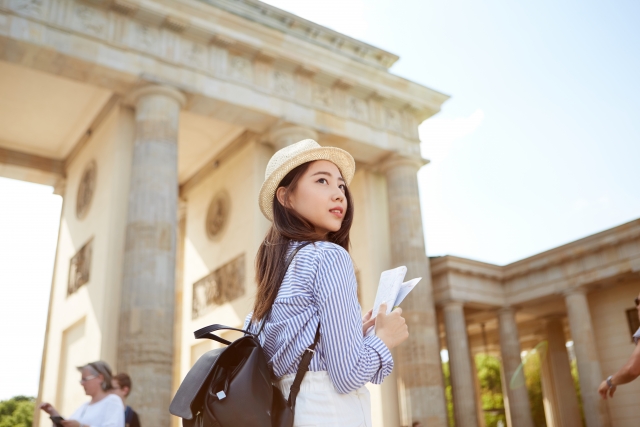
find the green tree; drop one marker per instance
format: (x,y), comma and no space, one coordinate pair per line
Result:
(17,412)
(447,392)
(489,377)
(576,384)
(533,379)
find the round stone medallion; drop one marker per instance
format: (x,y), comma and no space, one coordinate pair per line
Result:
(86,189)
(218,214)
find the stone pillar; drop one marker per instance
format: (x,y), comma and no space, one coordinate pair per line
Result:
(418,359)
(557,382)
(284,135)
(518,397)
(589,372)
(146,341)
(462,383)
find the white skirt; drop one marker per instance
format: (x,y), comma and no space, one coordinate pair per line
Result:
(320,405)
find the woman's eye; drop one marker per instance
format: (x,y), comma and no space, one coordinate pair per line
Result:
(343,187)
(322,181)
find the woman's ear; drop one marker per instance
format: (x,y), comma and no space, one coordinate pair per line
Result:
(281,194)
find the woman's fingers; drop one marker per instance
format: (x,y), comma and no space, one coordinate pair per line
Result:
(382,309)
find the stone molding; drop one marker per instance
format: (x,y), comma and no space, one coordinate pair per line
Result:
(574,250)
(579,290)
(163,90)
(284,135)
(451,304)
(195,44)
(401,159)
(309,31)
(581,265)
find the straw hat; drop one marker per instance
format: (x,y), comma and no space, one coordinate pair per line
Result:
(292,156)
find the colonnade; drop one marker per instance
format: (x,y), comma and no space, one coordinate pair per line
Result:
(561,403)
(145,342)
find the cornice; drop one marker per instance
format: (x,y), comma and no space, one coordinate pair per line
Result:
(465,266)
(194,35)
(311,32)
(574,250)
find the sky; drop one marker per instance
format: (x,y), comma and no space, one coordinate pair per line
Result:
(539,144)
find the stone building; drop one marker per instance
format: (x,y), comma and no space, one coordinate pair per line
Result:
(154,119)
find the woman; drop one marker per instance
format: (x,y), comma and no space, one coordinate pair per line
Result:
(104,410)
(306,195)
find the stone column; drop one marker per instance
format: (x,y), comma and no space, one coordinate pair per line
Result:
(589,372)
(518,397)
(145,342)
(462,383)
(557,382)
(284,135)
(418,359)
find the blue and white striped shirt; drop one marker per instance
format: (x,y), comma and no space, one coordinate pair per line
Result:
(320,286)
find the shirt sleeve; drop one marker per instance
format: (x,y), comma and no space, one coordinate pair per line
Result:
(352,360)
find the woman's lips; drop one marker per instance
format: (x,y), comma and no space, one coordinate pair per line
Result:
(337,212)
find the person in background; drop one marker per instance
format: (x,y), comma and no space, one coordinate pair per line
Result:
(103,410)
(122,387)
(629,371)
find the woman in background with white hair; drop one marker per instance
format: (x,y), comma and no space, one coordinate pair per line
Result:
(104,409)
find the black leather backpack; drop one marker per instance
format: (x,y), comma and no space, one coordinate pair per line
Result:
(233,386)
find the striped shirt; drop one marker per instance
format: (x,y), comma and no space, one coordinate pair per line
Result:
(320,286)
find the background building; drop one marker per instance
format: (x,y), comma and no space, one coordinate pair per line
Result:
(155,120)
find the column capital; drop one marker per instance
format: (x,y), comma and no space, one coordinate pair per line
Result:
(286,134)
(397,159)
(507,310)
(451,303)
(578,290)
(154,89)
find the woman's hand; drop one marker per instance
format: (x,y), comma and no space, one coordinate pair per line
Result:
(70,423)
(49,409)
(604,390)
(367,322)
(391,328)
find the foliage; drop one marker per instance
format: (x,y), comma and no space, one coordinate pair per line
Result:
(576,383)
(17,412)
(447,392)
(490,382)
(533,378)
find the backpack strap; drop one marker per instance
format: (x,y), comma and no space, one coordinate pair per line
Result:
(207,332)
(290,258)
(303,367)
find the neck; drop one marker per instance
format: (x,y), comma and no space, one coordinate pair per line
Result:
(101,394)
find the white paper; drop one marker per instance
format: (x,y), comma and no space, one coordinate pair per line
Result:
(392,291)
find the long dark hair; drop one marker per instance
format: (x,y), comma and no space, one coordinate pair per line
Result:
(289,226)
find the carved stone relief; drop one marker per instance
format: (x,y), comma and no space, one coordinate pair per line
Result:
(80,268)
(222,285)
(86,189)
(90,20)
(322,96)
(240,68)
(393,120)
(218,214)
(28,7)
(143,37)
(283,83)
(358,108)
(194,54)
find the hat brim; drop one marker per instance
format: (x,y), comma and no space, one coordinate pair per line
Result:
(343,160)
